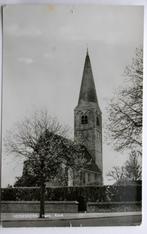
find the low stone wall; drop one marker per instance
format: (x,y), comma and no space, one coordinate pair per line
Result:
(34,206)
(113,206)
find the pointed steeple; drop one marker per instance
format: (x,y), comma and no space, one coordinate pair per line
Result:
(88,117)
(87,91)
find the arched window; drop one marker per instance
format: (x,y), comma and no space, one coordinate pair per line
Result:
(84,119)
(97,121)
(88,177)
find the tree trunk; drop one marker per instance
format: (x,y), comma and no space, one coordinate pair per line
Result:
(42,199)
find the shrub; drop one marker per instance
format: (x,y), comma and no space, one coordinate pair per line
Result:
(87,193)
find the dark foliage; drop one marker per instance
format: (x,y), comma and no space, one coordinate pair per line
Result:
(88,193)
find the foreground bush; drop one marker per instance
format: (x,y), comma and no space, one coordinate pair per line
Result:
(86,193)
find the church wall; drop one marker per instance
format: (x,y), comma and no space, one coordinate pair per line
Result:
(89,134)
(98,148)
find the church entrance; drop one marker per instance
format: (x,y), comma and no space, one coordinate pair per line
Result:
(82,204)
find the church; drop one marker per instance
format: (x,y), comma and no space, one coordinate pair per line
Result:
(88,126)
(87,138)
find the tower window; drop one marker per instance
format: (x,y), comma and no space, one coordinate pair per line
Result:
(88,177)
(84,119)
(97,121)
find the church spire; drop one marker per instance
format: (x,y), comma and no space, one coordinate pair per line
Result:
(88,117)
(87,91)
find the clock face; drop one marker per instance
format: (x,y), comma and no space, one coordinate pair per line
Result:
(83,137)
(86,137)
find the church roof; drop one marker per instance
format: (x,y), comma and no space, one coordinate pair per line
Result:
(87,90)
(91,165)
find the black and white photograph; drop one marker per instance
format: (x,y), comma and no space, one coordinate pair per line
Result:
(72,110)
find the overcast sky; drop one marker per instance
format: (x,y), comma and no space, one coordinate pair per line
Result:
(44,53)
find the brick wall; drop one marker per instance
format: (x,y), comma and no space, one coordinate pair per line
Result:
(34,206)
(113,206)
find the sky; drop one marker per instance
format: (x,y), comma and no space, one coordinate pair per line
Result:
(44,52)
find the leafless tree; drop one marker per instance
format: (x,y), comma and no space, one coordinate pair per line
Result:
(124,127)
(133,168)
(40,139)
(117,173)
(130,172)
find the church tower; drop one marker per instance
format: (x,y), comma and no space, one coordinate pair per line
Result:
(88,116)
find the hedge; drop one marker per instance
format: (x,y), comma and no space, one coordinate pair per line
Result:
(87,193)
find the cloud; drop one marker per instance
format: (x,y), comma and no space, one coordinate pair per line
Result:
(16,30)
(25,60)
(47,55)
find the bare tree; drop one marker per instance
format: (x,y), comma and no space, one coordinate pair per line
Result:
(130,172)
(40,139)
(116,174)
(133,170)
(124,127)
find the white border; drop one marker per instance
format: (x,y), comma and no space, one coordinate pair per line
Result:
(102,230)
